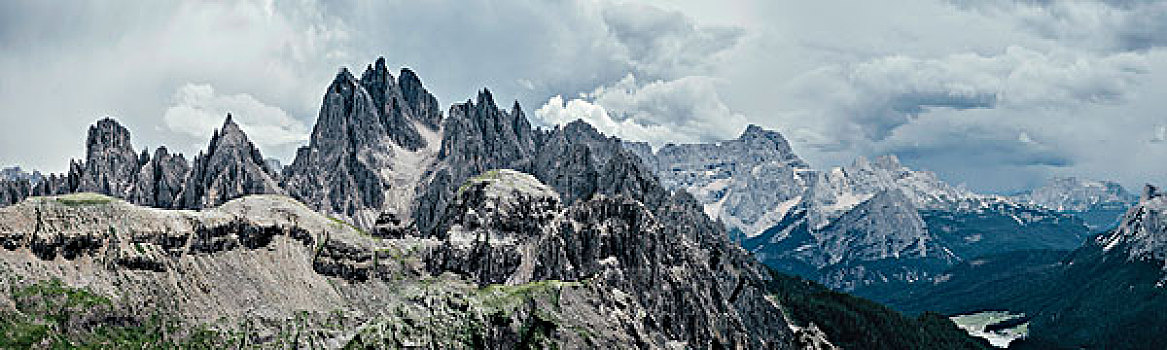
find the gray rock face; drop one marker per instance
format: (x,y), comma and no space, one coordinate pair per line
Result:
(230,168)
(601,229)
(476,136)
(881,222)
(274,166)
(1142,233)
(15,173)
(372,142)
(111,165)
(392,110)
(505,227)
(14,191)
(424,105)
(575,159)
(516,270)
(161,180)
(749,182)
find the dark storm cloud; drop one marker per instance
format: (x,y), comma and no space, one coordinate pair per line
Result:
(1109,25)
(666,45)
(1076,78)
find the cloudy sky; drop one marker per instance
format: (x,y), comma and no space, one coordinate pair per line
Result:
(997,95)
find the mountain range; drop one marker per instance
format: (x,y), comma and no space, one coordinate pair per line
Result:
(1090,297)
(1100,203)
(866,227)
(1063,256)
(401,226)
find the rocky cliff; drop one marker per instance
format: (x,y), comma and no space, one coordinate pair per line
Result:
(372,142)
(111,167)
(111,164)
(1142,235)
(15,173)
(750,183)
(230,168)
(160,180)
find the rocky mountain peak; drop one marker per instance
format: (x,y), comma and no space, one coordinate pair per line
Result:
(423,104)
(1078,194)
(497,187)
(230,133)
(756,135)
(160,180)
(372,137)
(106,134)
(15,173)
(889,162)
(343,76)
(1149,192)
(485,98)
(749,183)
(1142,233)
(231,167)
(579,127)
(110,160)
(379,83)
(753,130)
(516,109)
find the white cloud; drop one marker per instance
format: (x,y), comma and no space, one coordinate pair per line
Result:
(558,111)
(688,109)
(198,111)
(853,104)
(67,66)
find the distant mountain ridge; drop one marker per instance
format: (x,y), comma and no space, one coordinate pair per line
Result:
(865,226)
(1076,194)
(1100,203)
(15,173)
(749,183)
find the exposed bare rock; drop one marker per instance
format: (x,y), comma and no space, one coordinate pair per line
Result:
(505,227)
(476,136)
(160,180)
(111,164)
(372,142)
(749,183)
(14,173)
(413,237)
(603,271)
(1075,194)
(230,168)
(1142,235)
